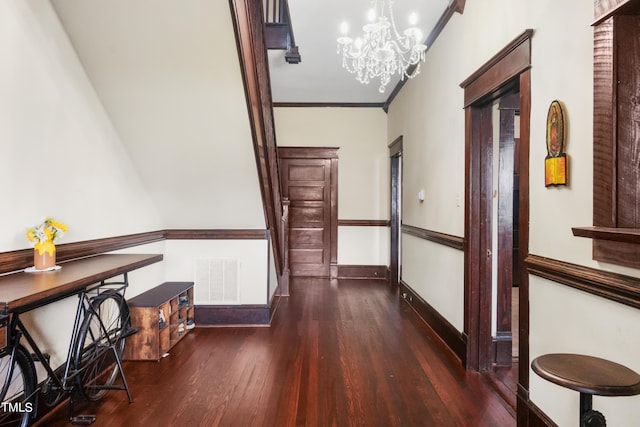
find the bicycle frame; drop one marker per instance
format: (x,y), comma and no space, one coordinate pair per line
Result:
(63,382)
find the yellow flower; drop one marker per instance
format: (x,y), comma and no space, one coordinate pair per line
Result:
(44,235)
(60,225)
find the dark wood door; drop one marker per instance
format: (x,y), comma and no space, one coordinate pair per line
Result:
(308,183)
(395,151)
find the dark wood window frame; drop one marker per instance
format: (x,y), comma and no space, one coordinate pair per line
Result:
(616,195)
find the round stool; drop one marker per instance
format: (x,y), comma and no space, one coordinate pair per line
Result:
(589,375)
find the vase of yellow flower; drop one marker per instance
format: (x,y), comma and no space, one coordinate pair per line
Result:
(43,238)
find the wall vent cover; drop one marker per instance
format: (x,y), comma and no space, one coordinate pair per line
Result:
(216,281)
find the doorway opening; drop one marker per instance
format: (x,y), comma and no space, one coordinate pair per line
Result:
(502,249)
(497,219)
(395,260)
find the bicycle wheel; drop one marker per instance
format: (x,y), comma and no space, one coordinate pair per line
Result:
(100,334)
(18,393)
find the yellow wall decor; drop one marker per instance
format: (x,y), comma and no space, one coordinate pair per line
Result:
(556,162)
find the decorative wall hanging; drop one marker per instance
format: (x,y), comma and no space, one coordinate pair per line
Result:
(556,162)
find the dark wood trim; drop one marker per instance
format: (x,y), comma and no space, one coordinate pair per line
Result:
(363,223)
(529,415)
(188,234)
(613,286)
(395,209)
(506,71)
(452,338)
(328,105)
(454,242)
(523,228)
(232,315)
(454,6)
(334,218)
(627,235)
(502,67)
(248,24)
(308,152)
(472,240)
(604,161)
(23,258)
(615,187)
(395,147)
(503,348)
(483,147)
(604,9)
(370,272)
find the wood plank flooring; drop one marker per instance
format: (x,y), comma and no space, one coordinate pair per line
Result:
(339,353)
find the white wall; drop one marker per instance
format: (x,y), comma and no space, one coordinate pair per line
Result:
(428,112)
(363,170)
(63,155)
(181,256)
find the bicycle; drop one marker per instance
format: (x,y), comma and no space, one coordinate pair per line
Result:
(94,359)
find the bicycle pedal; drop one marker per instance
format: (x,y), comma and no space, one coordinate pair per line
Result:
(83,419)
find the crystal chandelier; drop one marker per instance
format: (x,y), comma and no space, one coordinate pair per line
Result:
(382,51)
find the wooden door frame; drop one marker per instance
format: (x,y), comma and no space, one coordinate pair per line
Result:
(510,67)
(503,349)
(395,154)
(327,153)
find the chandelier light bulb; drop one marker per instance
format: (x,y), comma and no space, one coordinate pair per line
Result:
(382,50)
(371,15)
(413,19)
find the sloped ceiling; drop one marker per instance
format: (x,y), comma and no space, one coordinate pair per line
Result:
(167,73)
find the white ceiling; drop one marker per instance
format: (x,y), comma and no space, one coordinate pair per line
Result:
(168,75)
(320,76)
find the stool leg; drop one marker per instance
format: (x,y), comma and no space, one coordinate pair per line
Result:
(589,417)
(586,403)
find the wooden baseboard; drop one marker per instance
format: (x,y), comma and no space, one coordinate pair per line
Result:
(233,315)
(529,415)
(454,339)
(375,272)
(503,349)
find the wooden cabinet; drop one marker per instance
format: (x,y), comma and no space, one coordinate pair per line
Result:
(162,315)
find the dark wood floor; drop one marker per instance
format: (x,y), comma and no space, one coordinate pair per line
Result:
(341,353)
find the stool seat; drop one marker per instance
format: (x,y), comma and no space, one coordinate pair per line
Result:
(587,374)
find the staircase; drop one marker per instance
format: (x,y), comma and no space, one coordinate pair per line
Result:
(279,31)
